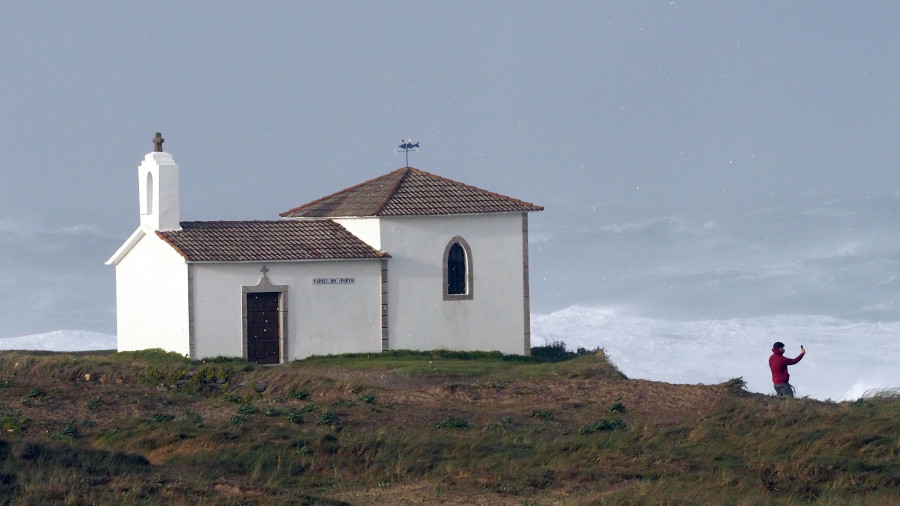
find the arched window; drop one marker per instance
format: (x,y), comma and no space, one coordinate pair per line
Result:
(148,208)
(457,270)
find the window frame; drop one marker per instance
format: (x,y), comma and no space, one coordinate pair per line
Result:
(468,294)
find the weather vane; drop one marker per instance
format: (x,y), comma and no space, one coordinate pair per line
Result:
(406,145)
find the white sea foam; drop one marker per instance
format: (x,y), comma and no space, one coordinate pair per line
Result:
(60,340)
(844,358)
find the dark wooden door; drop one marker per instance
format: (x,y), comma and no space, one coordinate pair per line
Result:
(263,328)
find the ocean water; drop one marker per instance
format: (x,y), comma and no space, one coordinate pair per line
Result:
(809,255)
(698,294)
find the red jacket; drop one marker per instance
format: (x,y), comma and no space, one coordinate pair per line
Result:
(778,363)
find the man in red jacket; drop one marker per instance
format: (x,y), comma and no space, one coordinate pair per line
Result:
(779,364)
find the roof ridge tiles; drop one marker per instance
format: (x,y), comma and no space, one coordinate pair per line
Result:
(409,191)
(471,187)
(349,188)
(390,194)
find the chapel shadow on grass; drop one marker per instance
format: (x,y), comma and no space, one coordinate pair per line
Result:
(38,469)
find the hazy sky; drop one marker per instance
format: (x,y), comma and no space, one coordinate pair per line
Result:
(639,109)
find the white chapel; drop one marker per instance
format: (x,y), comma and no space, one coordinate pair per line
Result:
(407,260)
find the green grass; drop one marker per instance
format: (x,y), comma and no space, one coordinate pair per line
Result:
(544,361)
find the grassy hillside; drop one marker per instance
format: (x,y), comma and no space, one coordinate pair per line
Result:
(413,428)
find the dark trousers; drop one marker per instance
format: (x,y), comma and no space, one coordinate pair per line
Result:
(784,390)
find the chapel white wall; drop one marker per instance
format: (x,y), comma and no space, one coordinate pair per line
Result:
(367,229)
(152,298)
(420,318)
(322,319)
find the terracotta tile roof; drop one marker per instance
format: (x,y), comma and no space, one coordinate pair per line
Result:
(241,241)
(409,192)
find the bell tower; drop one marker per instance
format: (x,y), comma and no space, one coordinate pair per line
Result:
(158,189)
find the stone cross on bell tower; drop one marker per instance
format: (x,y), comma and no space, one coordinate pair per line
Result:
(158,142)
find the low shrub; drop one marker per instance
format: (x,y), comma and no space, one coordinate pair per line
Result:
(191,417)
(11,421)
(736,386)
(299,394)
(70,429)
(152,376)
(230,397)
(608,424)
(155,355)
(161,418)
(248,409)
(452,423)
(556,352)
(292,415)
(538,413)
(553,352)
(504,425)
(36,393)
